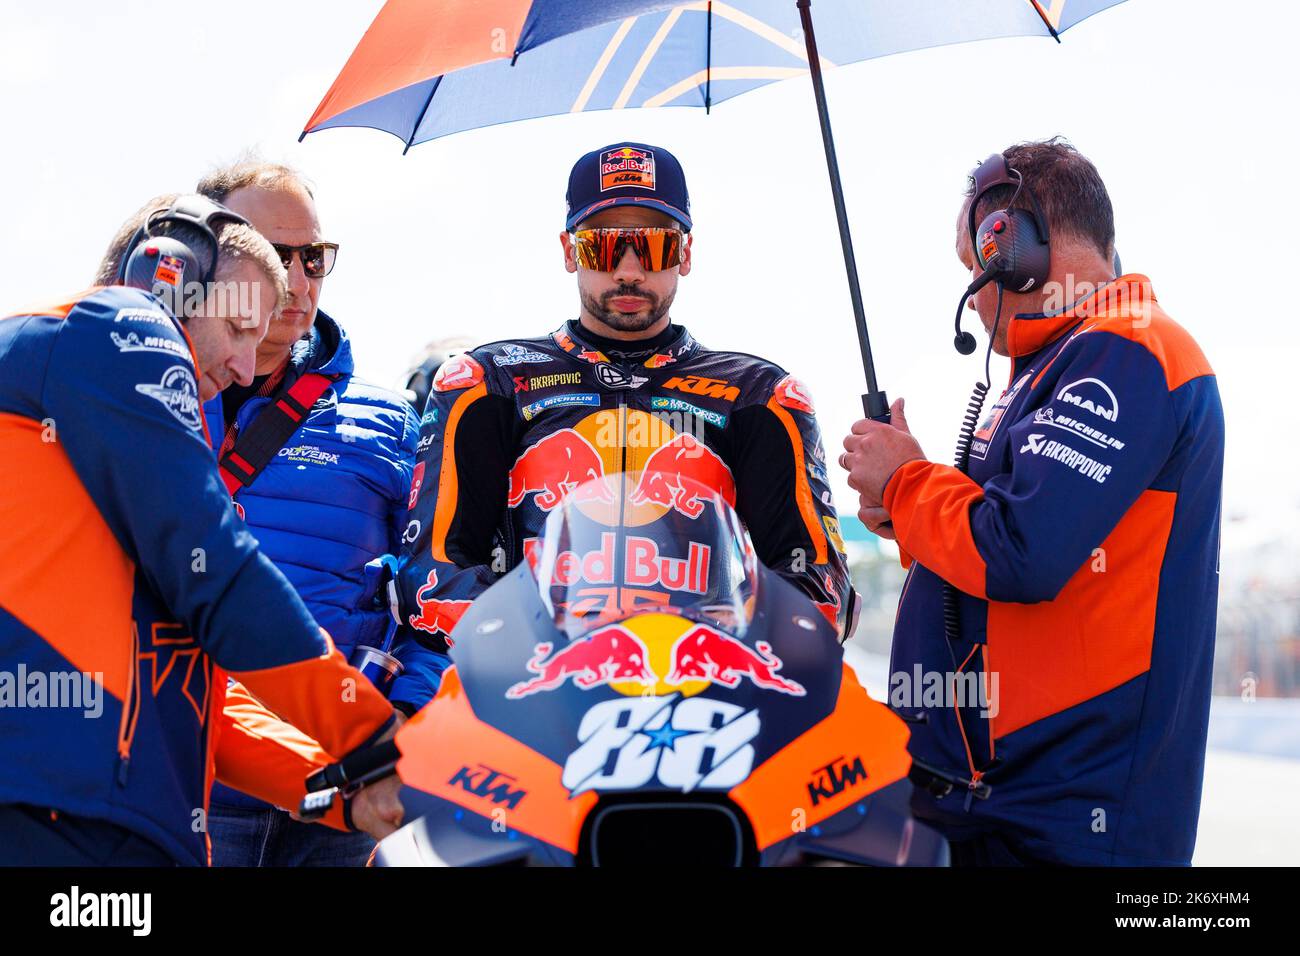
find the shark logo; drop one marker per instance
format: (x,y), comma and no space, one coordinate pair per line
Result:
(179,394)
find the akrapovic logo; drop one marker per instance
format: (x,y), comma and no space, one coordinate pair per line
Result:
(1088,467)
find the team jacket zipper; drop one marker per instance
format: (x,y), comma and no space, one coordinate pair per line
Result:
(130,711)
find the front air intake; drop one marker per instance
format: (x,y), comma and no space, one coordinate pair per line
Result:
(667,829)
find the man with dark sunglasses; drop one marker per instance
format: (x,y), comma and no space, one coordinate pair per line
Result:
(511,427)
(328,495)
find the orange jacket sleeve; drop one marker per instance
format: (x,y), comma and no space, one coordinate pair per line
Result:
(260,754)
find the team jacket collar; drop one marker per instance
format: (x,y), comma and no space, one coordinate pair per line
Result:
(1130,294)
(570,337)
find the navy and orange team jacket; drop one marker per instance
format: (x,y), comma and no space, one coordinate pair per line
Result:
(121,557)
(512,427)
(1084,547)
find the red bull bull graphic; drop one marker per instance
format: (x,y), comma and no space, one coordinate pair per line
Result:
(610,654)
(708,654)
(553,467)
(657,654)
(436,617)
(659,360)
(680,473)
(669,469)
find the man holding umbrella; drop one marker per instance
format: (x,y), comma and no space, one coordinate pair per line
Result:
(513,426)
(1071,563)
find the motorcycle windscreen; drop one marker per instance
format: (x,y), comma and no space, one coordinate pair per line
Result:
(629,543)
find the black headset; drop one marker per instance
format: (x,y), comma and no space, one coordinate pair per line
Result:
(1011,245)
(174,243)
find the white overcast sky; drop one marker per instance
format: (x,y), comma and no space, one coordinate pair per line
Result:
(1186,106)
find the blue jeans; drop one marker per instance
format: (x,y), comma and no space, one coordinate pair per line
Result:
(246,836)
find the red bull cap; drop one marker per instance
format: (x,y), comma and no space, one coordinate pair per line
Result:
(628,174)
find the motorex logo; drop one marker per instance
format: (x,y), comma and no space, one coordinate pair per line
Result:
(1092,395)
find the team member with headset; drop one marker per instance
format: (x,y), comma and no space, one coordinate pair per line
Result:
(122,656)
(1066,567)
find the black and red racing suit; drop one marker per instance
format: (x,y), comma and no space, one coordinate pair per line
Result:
(512,426)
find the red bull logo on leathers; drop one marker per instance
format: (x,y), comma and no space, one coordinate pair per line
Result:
(434,616)
(554,467)
(669,469)
(680,474)
(656,654)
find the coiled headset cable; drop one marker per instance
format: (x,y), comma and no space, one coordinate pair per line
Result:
(961,458)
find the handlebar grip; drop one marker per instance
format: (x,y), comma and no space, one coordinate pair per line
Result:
(354,766)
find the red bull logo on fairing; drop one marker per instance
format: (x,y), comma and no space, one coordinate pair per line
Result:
(605,656)
(708,654)
(656,654)
(643,565)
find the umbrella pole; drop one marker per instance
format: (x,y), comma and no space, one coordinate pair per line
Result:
(874,403)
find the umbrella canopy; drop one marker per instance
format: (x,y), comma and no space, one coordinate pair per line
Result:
(427,68)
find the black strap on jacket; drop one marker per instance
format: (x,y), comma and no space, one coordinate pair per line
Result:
(274,425)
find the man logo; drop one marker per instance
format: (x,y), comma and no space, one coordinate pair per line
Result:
(1091,395)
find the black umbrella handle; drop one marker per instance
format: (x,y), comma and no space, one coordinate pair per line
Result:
(876,406)
(874,402)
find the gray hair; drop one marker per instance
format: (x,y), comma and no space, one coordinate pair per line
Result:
(250,170)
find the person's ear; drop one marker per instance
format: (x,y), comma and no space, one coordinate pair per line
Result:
(570,260)
(684,267)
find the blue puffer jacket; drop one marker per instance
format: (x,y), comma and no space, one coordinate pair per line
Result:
(334,498)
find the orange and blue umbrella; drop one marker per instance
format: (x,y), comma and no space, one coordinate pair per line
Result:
(428,68)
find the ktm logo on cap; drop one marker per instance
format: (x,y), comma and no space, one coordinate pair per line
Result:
(626,166)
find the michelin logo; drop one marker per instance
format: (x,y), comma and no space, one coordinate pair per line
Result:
(132,342)
(179,394)
(1088,467)
(556,401)
(1046,416)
